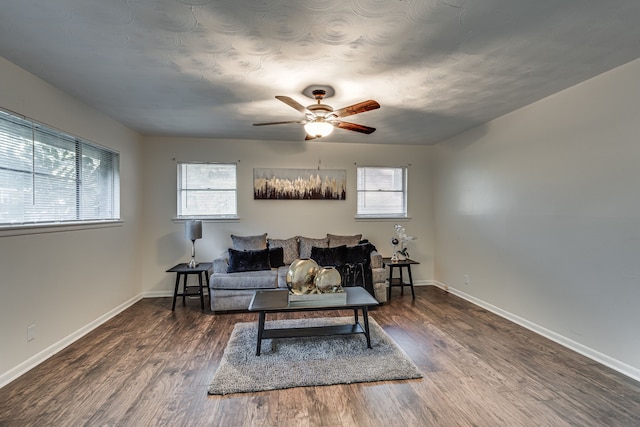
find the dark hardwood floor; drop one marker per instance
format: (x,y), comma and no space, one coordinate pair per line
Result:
(149,366)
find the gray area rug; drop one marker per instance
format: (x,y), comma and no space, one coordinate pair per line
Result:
(313,361)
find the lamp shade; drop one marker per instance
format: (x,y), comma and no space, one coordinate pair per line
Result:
(318,128)
(193,230)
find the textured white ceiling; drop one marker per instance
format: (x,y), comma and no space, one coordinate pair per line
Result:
(211,68)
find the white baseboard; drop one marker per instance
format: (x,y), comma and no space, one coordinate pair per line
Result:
(157,294)
(164,294)
(592,354)
(40,357)
(415,282)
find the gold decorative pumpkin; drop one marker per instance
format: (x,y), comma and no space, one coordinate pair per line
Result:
(328,280)
(300,276)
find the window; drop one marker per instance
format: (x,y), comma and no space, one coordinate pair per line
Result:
(382,192)
(47,176)
(207,190)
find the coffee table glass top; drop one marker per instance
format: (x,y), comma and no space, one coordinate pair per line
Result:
(278,299)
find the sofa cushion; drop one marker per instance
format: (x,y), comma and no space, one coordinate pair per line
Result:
(249,243)
(276,257)
(282,276)
(289,246)
(240,261)
(306,243)
(247,280)
(329,256)
(336,240)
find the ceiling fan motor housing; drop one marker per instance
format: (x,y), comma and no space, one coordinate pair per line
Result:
(319,94)
(320,110)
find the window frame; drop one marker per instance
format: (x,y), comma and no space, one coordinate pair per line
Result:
(405,194)
(52,138)
(209,216)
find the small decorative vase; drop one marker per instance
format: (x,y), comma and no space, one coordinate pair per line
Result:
(300,276)
(400,256)
(328,280)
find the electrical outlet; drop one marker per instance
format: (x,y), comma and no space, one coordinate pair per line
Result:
(466,279)
(31,333)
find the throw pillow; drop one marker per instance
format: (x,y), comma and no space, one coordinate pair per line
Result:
(249,243)
(335,240)
(335,257)
(240,261)
(307,243)
(289,246)
(276,257)
(359,253)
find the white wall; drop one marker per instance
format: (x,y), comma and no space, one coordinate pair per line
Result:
(165,245)
(62,281)
(541,208)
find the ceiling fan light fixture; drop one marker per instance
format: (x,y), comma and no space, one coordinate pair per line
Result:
(320,119)
(318,128)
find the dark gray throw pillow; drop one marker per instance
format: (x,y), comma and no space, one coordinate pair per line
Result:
(249,243)
(240,261)
(329,256)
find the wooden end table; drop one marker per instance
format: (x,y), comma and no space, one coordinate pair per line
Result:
(184,270)
(398,281)
(277,301)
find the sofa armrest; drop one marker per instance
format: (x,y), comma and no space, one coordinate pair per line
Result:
(376,260)
(220,265)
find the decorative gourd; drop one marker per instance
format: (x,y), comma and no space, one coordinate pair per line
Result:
(328,280)
(300,277)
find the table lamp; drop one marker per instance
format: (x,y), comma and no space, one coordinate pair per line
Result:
(193,232)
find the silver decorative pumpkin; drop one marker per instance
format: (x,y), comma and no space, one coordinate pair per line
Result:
(328,280)
(300,276)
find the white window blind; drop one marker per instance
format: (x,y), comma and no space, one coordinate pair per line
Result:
(382,191)
(207,190)
(47,176)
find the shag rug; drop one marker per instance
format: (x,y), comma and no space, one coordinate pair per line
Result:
(312,361)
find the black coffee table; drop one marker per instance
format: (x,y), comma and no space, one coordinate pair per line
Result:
(277,301)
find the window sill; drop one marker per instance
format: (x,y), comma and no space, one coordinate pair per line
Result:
(56,227)
(383,218)
(208,219)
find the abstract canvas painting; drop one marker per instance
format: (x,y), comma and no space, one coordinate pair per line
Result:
(299,184)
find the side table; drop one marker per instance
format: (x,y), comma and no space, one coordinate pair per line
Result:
(184,270)
(399,281)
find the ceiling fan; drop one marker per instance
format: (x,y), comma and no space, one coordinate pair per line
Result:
(320,119)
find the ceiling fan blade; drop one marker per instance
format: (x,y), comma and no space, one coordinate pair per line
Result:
(294,104)
(279,123)
(360,107)
(354,127)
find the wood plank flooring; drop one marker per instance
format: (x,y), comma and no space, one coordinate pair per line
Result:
(150,366)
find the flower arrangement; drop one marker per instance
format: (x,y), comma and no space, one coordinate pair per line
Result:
(399,243)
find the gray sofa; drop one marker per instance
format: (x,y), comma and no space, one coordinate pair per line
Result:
(230,291)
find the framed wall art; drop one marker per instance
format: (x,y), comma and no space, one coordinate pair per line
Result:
(299,184)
